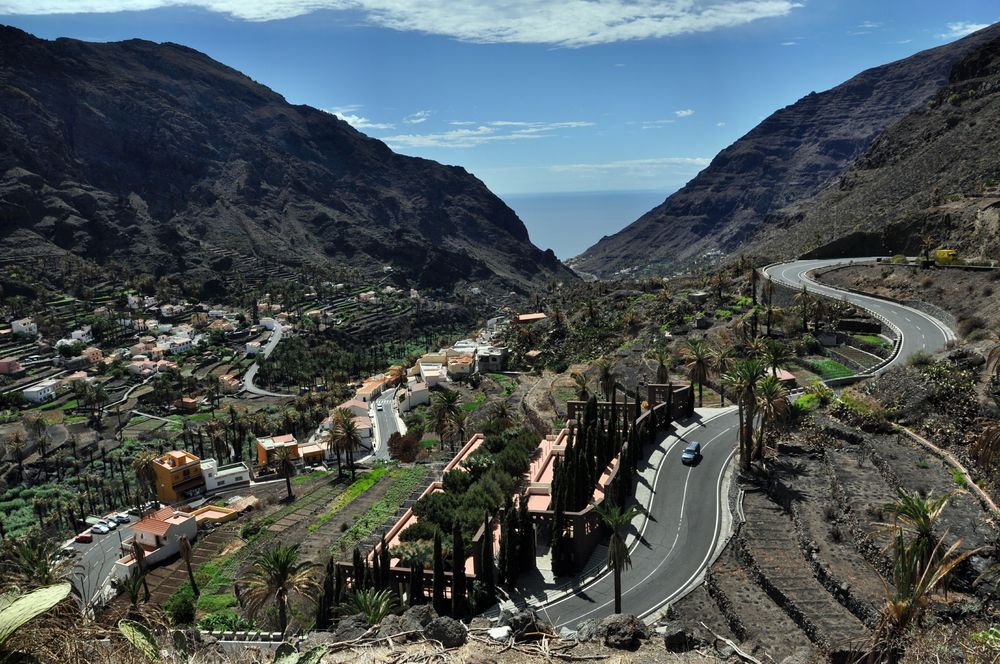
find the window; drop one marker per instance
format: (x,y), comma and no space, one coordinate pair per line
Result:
(187,474)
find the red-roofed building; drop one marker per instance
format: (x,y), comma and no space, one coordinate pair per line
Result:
(522,319)
(158,535)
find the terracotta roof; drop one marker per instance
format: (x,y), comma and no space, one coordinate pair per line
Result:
(152,525)
(283,440)
(161,513)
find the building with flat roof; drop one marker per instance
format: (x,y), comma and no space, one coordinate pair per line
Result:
(158,534)
(222,478)
(268,445)
(178,476)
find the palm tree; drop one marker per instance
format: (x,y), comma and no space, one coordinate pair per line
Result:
(616,519)
(345,436)
(805,301)
(917,516)
(184,545)
(605,378)
(742,381)
(580,384)
(663,362)
(777,356)
(503,414)
(139,556)
(286,467)
(773,408)
(986,448)
(457,422)
(373,604)
(30,561)
(993,363)
(144,466)
(445,404)
(275,575)
(15,448)
(722,355)
(696,355)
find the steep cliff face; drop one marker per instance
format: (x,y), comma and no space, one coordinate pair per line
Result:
(156,156)
(787,159)
(932,179)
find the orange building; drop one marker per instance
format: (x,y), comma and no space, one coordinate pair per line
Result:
(267,446)
(178,475)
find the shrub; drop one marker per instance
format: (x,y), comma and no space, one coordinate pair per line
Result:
(179,607)
(959,478)
(898,259)
(920,359)
(405,448)
(224,621)
(967,325)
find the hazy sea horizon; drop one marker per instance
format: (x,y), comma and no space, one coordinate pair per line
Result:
(571,222)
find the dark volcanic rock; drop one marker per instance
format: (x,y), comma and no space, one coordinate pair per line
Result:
(791,156)
(524,623)
(350,627)
(450,632)
(158,157)
(623,631)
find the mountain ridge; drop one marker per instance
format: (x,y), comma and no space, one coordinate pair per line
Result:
(791,156)
(152,155)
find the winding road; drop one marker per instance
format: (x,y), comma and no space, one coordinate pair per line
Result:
(251,372)
(688,519)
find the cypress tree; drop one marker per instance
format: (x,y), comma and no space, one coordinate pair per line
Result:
(511,545)
(560,545)
(458,581)
(358,570)
(416,594)
(527,534)
(324,607)
(384,563)
(338,587)
(440,603)
(376,568)
(486,555)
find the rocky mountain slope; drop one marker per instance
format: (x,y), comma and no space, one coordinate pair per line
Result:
(787,159)
(158,158)
(932,179)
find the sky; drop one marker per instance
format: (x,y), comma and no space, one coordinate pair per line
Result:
(536,96)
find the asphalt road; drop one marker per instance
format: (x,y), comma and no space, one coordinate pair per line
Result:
(677,541)
(251,372)
(94,562)
(385,424)
(920,331)
(687,523)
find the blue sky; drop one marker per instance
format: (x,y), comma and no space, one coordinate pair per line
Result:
(536,95)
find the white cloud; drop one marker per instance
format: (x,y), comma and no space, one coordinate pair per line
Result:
(685,113)
(655,124)
(489,132)
(417,118)
(660,168)
(789,43)
(962,28)
(869,25)
(348,114)
(720,124)
(461,123)
(569,23)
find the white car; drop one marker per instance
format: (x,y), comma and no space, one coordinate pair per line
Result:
(109,523)
(99,529)
(121,518)
(378,407)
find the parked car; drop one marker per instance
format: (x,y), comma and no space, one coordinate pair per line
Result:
(67,552)
(122,518)
(84,538)
(691,454)
(110,524)
(378,406)
(99,529)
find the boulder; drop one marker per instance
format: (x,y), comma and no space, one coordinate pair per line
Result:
(589,630)
(623,631)
(678,637)
(524,623)
(351,627)
(500,633)
(450,632)
(394,625)
(422,614)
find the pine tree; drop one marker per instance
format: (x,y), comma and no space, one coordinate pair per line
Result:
(459,602)
(440,603)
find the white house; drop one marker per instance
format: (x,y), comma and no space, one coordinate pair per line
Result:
(216,313)
(158,534)
(415,395)
(490,358)
(268,323)
(41,392)
(224,477)
(82,335)
(253,347)
(24,326)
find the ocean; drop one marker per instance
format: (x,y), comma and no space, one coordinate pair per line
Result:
(570,223)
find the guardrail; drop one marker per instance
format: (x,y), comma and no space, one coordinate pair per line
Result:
(871,371)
